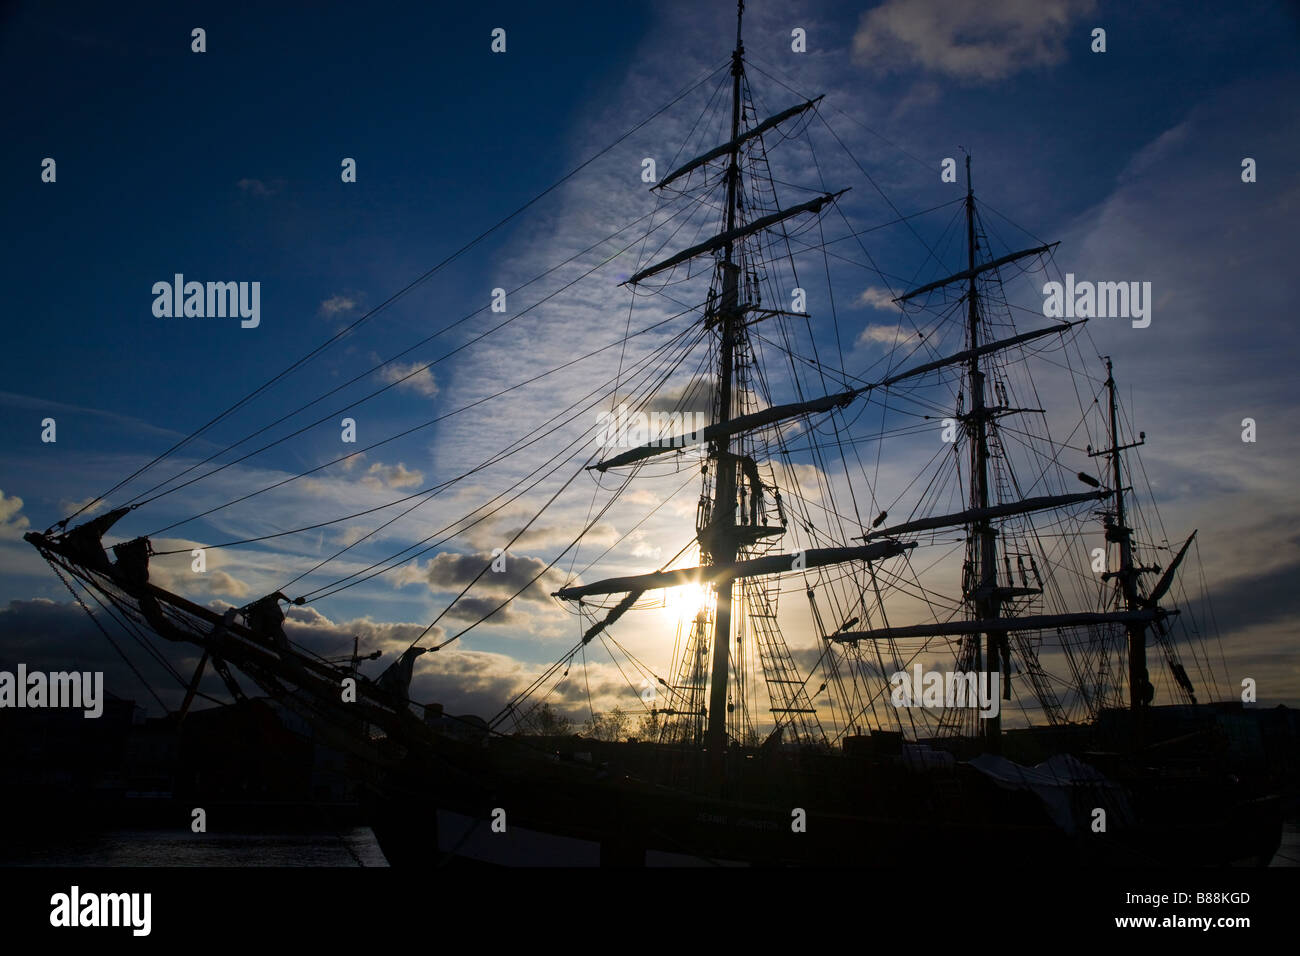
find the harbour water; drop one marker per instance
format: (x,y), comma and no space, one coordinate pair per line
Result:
(353,847)
(1288,854)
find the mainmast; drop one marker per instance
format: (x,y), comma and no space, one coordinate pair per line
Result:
(721,536)
(732,517)
(983,552)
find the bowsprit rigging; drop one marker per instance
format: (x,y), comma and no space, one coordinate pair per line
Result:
(900,484)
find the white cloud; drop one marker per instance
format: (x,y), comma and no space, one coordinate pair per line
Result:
(976,41)
(12,524)
(337,305)
(190,582)
(351,534)
(92,506)
(380,475)
(882,335)
(643,550)
(877,298)
(414,376)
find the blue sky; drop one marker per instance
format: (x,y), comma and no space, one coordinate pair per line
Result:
(224,166)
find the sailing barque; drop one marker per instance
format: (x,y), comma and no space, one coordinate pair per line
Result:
(834,771)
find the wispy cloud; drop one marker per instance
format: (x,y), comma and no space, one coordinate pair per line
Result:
(258,187)
(973,41)
(92,506)
(337,305)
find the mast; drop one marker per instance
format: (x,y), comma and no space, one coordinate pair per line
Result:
(984,550)
(1139,686)
(724,535)
(721,538)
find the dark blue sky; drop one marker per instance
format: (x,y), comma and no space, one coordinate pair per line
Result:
(151,141)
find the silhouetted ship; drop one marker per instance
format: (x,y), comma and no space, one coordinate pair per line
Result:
(744,755)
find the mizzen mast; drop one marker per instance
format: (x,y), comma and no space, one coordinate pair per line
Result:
(984,595)
(1140,690)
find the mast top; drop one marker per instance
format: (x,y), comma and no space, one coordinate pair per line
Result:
(739,52)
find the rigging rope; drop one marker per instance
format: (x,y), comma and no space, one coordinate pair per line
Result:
(450,258)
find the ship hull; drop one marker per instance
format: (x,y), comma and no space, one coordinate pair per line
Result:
(510,810)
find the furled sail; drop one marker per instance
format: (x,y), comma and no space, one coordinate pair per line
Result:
(972,515)
(710,433)
(731,235)
(1031,623)
(740,140)
(972,273)
(773,564)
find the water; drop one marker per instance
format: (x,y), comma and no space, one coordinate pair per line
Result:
(1288,854)
(355,847)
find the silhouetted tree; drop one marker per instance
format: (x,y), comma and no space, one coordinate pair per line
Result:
(546,722)
(650,726)
(611,725)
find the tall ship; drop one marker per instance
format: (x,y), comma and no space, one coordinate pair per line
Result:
(911,617)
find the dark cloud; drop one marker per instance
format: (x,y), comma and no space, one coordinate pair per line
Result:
(468,682)
(311,628)
(1257,598)
(695,396)
(471,609)
(49,636)
(451,572)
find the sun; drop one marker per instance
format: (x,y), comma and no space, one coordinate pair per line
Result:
(689,599)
